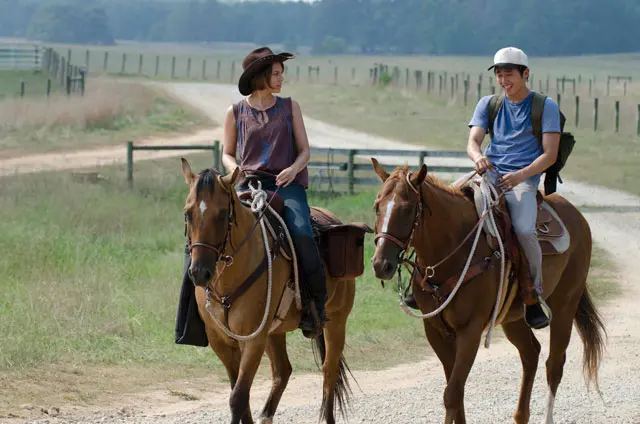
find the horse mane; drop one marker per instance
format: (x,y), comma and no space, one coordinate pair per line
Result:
(432,181)
(207,180)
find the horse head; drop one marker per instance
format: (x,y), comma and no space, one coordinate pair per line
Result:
(398,209)
(209,212)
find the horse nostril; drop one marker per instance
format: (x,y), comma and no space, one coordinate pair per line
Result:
(388,268)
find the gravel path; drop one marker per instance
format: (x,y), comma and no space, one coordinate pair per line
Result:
(412,393)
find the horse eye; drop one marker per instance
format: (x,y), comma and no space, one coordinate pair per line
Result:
(187,216)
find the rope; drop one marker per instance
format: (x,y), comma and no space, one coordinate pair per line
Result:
(253,335)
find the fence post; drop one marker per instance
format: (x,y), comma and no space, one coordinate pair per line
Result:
(189,68)
(335,75)
(21,88)
(617,115)
(421,157)
(124,63)
(130,163)
(140,63)
(466,90)
(87,59)
(105,63)
(638,125)
(559,99)
(577,110)
(218,71)
(48,87)
(157,65)
(82,82)
(479,90)
(350,170)
(216,155)
(595,114)
(173,67)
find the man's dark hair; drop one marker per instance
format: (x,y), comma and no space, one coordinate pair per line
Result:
(508,67)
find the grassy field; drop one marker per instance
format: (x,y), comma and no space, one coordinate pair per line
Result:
(35,84)
(111,112)
(602,157)
(90,288)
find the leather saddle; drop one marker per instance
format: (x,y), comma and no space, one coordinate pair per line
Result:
(553,235)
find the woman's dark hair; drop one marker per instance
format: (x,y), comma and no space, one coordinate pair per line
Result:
(261,80)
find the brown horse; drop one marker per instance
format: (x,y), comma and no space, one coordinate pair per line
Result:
(220,227)
(415,208)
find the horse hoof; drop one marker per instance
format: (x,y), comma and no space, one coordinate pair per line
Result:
(266,420)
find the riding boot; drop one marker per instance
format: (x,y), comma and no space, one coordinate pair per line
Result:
(315,284)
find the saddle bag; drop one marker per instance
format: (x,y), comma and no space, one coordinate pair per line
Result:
(342,248)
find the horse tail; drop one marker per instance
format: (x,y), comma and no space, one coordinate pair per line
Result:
(342,391)
(592,332)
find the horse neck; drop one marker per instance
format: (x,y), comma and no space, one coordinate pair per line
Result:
(447,219)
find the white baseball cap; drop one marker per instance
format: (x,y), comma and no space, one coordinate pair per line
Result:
(509,56)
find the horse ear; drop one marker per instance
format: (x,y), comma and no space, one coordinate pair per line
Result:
(186,171)
(379,170)
(417,179)
(230,179)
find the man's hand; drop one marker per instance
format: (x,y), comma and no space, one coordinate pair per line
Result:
(482,165)
(286,177)
(510,180)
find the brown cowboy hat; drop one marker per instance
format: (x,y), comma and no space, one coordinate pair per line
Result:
(255,62)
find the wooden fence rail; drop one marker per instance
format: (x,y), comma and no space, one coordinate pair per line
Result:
(349,166)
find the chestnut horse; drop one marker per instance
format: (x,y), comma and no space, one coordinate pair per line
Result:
(448,216)
(220,228)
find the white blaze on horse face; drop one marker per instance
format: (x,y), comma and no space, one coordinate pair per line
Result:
(387,215)
(203,207)
(548,413)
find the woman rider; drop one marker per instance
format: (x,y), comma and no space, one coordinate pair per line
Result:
(269,132)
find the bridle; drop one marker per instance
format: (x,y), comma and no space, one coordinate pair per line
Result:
(404,246)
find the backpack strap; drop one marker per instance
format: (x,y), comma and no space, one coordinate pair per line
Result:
(494,106)
(537,108)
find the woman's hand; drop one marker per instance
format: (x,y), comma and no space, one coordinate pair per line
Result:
(286,177)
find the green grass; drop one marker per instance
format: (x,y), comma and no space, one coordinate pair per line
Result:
(90,277)
(603,157)
(35,84)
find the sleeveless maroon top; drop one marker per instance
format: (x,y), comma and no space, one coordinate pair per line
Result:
(265,139)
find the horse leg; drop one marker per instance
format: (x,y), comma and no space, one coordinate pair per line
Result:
(561,325)
(521,336)
(467,343)
(445,349)
(334,369)
(249,362)
(280,373)
(230,356)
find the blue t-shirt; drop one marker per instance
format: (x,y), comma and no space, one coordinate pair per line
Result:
(513,145)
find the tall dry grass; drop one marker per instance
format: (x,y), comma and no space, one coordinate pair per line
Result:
(110,112)
(104,102)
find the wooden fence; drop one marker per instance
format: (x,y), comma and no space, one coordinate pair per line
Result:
(348,167)
(601,103)
(20,56)
(70,76)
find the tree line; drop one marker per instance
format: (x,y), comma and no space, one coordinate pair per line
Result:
(543,27)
